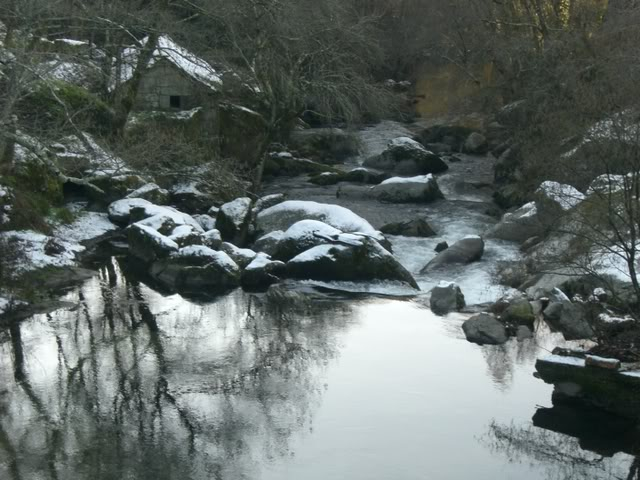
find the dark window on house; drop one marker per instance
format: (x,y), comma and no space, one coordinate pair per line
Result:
(175,101)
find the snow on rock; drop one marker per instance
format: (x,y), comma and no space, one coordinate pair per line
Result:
(219,258)
(232,219)
(608,184)
(242,256)
(33,246)
(168,50)
(88,155)
(74,73)
(419,189)
(285,214)
(405,142)
(212,239)
(206,222)
(302,236)
(86,226)
(566,196)
(151,192)
(8,303)
(6,204)
(120,212)
(571,361)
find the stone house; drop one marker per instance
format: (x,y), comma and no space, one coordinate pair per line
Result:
(176,79)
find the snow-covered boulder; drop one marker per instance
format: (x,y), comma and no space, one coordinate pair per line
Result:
(351,258)
(608,184)
(268,201)
(557,195)
(196,269)
(467,250)
(446,297)
(233,220)
(36,250)
(262,272)
(302,236)
(130,210)
(242,256)
(285,214)
(421,189)
(151,192)
(212,239)
(207,222)
(268,243)
(148,245)
(185,235)
(404,156)
(485,329)
(189,197)
(518,226)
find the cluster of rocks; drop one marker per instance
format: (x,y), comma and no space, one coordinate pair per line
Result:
(288,239)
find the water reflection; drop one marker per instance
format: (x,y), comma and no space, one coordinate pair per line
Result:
(133,384)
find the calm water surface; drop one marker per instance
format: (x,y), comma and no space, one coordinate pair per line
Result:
(128,383)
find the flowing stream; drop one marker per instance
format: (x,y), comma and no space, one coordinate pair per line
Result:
(126,382)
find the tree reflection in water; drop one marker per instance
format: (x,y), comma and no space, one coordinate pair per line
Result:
(134,384)
(567,458)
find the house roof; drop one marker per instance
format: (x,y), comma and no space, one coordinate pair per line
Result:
(190,64)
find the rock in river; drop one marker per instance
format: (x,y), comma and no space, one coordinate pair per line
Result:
(570,319)
(421,189)
(351,258)
(485,329)
(404,156)
(467,250)
(196,269)
(446,297)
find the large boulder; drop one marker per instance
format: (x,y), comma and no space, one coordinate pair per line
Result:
(285,214)
(151,192)
(558,198)
(446,297)
(233,220)
(518,226)
(467,250)
(196,269)
(302,236)
(409,228)
(570,319)
(269,242)
(476,143)
(130,210)
(404,156)
(351,258)
(148,245)
(421,189)
(485,329)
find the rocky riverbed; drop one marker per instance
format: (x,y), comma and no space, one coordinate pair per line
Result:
(208,369)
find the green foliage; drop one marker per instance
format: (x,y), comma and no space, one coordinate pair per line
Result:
(36,193)
(46,112)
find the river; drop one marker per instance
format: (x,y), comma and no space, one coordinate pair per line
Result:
(128,382)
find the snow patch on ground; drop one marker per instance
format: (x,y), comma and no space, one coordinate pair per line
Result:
(86,226)
(32,246)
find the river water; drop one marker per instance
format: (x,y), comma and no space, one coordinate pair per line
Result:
(128,382)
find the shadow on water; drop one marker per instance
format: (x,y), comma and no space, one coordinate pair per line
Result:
(135,384)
